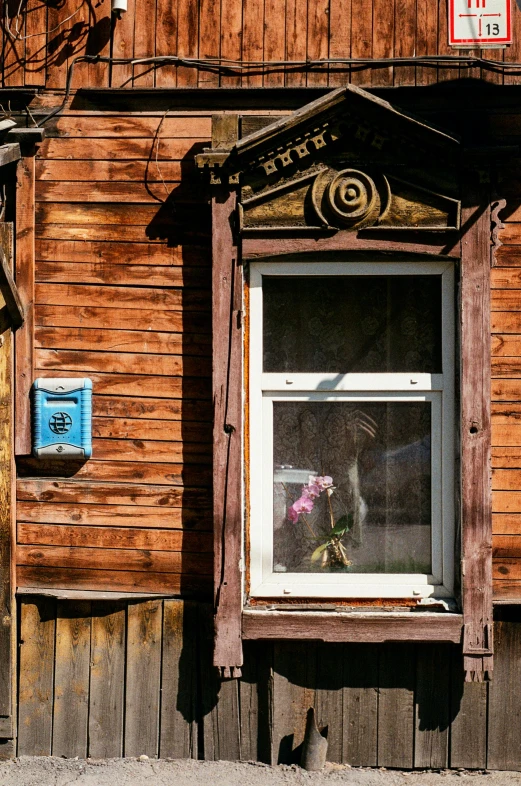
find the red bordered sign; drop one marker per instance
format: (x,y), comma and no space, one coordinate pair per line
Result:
(480,22)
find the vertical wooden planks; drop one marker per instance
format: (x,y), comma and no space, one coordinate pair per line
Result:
(426,38)
(329,696)
(361,38)
(219,727)
(24,268)
(98,43)
(468,732)
(443,74)
(142,687)
(144,42)
(318,39)
(405,40)
(339,39)
(512,54)
(180,691)
(71,680)
(168,20)
(360,705)
(383,40)
(255,698)
(274,40)
(187,40)
(504,723)
(13,45)
(252,40)
(231,38)
(123,46)
(396,706)
(209,39)
(432,706)
(35,690)
(36,43)
(107,680)
(296,43)
(294,684)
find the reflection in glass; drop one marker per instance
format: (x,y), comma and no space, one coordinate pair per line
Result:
(352,324)
(376,518)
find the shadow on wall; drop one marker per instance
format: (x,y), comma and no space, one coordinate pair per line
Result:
(87,31)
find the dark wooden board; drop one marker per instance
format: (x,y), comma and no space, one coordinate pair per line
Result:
(220,729)
(109,493)
(71,679)
(107,680)
(396,706)
(36,686)
(360,705)
(112,516)
(329,696)
(255,697)
(114,559)
(432,710)
(504,700)
(179,692)
(114,537)
(121,471)
(294,685)
(142,681)
(468,712)
(110,254)
(172,584)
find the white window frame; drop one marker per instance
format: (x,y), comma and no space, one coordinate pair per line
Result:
(266,388)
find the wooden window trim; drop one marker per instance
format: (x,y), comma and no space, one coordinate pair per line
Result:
(232,622)
(472,245)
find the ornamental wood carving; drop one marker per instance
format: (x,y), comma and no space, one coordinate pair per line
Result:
(348,161)
(350,173)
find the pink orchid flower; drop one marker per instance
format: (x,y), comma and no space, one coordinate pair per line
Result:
(309,493)
(323,482)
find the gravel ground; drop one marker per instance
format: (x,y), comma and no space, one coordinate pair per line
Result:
(47,771)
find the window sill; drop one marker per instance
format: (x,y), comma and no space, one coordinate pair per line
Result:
(359,627)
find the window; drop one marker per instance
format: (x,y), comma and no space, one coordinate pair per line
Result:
(351,429)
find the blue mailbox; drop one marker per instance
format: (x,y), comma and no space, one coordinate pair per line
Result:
(62,418)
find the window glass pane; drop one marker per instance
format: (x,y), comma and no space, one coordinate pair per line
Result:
(376,518)
(348,324)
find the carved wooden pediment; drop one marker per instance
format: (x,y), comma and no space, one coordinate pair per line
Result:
(346,161)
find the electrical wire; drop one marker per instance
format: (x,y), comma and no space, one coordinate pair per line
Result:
(231,67)
(18,37)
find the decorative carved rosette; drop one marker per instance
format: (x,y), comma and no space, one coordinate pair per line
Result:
(348,198)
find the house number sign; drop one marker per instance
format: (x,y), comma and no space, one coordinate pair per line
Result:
(480,23)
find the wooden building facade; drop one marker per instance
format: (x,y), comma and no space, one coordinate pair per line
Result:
(111,196)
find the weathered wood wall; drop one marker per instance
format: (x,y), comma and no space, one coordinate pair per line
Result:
(123,296)
(131,678)
(50,36)
(506,393)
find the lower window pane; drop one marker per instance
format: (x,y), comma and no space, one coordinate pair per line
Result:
(352,487)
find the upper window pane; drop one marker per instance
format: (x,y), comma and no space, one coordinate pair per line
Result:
(352,324)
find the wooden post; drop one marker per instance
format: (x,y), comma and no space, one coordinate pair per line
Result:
(476,506)
(7,520)
(227,443)
(227,318)
(25,253)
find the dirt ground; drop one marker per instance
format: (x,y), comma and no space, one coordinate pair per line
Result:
(45,771)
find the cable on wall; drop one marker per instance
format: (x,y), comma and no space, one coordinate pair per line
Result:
(234,67)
